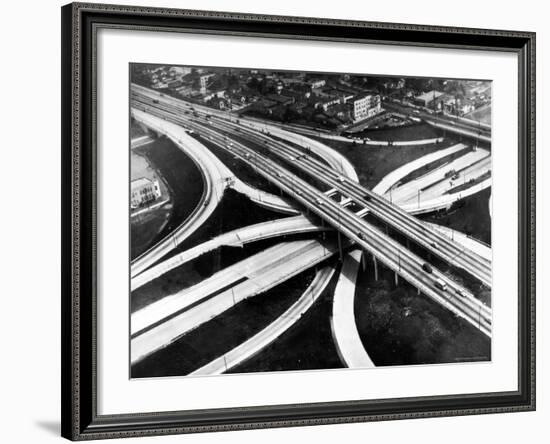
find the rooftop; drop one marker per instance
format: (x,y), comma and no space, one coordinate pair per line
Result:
(430,95)
(138,183)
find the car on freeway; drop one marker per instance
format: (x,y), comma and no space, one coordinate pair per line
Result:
(427,267)
(360,235)
(461,293)
(441,285)
(319,201)
(155,101)
(341,179)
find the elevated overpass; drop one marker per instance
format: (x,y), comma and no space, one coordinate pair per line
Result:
(389,213)
(159,324)
(384,248)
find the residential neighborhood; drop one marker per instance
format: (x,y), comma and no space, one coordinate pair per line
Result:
(336,102)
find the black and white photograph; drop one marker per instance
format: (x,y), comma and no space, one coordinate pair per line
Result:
(294,221)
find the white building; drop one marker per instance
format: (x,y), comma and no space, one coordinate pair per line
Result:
(316,84)
(180,70)
(143,192)
(204,82)
(366,106)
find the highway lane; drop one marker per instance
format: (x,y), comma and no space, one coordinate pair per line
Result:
(479,268)
(248,268)
(273,331)
(391,179)
(408,225)
(437,186)
(396,257)
(414,219)
(330,156)
(409,190)
(262,276)
(453,128)
(475,245)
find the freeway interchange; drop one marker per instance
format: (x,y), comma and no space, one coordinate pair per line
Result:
(326,191)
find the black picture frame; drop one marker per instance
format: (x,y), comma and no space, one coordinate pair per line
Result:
(79,386)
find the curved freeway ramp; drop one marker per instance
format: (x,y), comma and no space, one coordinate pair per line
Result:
(235,238)
(273,331)
(344,328)
(214,188)
(331,156)
(396,175)
(162,322)
(216,176)
(433,191)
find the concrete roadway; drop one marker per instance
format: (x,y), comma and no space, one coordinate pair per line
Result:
(235,238)
(358,140)
(332,157)
(433,203)
(247,268)
(434,184)
(472,244)
(462,127)
(215,175)
(214,186)
(441,186)
(343,322)
(445,201)
(161,323)
(391,214)
(394,255)
(273,331)
(140,141)
(396,175)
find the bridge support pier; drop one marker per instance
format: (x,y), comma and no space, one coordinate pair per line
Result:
(418,291)
(217,261)
(375,267)
(363,261)
(396,276)
(340,247)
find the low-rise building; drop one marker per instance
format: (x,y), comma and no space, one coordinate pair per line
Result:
(143,192)
(317,83)
(180,70)
(430,99)
(365,106)
(279,98)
